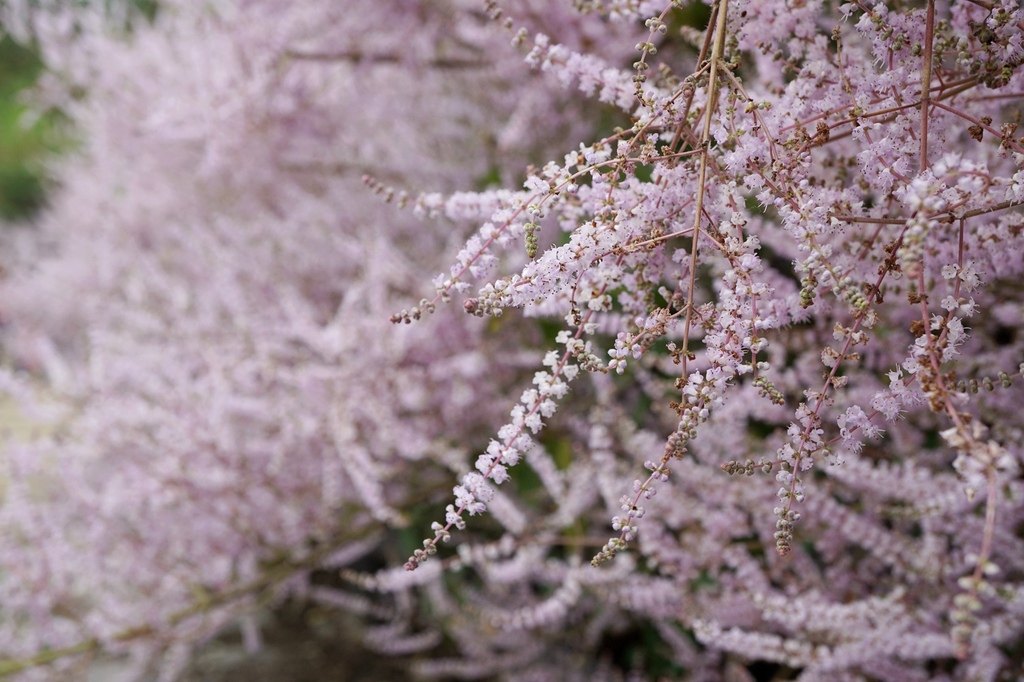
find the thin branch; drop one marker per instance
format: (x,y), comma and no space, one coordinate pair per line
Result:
(716,57)
(926,81)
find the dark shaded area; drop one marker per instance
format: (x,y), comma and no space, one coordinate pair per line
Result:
(302,643)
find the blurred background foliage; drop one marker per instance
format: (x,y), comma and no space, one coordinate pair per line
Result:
(29,138)
(25,139)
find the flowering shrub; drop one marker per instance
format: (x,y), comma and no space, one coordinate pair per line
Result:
(763,324)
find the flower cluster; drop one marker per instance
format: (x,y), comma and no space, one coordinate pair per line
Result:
(717,243)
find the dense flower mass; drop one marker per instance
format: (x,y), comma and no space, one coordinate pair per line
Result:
(720,377)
